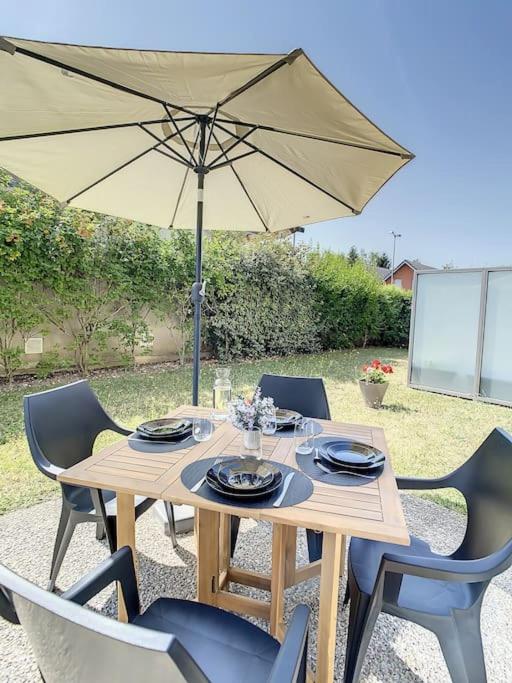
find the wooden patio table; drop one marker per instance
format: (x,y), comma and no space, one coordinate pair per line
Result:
(372,511)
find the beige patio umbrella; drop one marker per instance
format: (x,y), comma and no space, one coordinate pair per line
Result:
(252,142)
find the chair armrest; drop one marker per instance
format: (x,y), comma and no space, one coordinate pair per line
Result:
(290,663)
(121,430)
(448,569)
(416,484)
(118,567)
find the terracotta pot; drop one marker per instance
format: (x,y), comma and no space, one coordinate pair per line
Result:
(373,394)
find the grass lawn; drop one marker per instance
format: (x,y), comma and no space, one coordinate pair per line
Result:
(428,434)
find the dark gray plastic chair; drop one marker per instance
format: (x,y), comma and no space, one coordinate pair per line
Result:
(308,397)
(441,593)
(173,640)
(62,425)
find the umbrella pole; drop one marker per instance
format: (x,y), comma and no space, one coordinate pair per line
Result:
(197,287)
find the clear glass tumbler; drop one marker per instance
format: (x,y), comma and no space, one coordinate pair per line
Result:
(202,429)
(304,435)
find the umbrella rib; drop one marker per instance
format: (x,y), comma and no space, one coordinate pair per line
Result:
(320,138)
(124,165)
(288,59)
(224,152)
(94,77)
(180,193)
(169,114)
(169,156)
(88,129)
(171,149)
(232,160)
(293,171)
(246,191)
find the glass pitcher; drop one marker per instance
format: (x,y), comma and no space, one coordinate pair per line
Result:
(221,393)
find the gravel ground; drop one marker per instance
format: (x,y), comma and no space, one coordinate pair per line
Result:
(398,652)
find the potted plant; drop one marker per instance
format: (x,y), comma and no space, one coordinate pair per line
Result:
(250,416)
(374,382)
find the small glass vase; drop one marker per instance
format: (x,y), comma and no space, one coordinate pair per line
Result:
(252,443)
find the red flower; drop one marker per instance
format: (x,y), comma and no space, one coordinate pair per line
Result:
(387,369)
(375,363)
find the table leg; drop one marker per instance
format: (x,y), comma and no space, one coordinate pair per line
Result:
(224,546)
(333,549)
(291,555)
(207,556)
(125,536)
(277,582)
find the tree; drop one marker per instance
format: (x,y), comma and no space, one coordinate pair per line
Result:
(82,293)
(25,216)
(138,249)
(383,260)
(175,306)
(353,255)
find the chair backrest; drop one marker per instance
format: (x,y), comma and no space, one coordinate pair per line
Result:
(306,395)
(73,643)
(62,424)
(486,482)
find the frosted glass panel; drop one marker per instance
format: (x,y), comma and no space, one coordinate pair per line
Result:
(496,376)
(446,331)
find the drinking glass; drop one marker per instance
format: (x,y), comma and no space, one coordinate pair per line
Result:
(304,435)
(202,429)
(271,424)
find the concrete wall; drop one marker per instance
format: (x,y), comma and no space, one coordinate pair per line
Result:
(164,346)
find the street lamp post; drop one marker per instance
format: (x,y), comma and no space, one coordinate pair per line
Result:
(396,235)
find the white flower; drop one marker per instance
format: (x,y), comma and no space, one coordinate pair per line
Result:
(250,414)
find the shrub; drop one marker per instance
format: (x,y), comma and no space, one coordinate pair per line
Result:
(394,317)
(346,297)
(259,299)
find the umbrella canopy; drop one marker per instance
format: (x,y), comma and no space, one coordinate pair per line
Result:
(252,142)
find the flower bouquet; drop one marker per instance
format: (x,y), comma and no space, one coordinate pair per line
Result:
(250,415)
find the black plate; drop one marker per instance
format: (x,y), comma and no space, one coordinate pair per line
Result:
(286,418)
(214,484)
(337,466)
(352,453)
(246,474)
(165,428)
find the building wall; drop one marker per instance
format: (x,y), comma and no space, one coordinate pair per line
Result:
(405,275)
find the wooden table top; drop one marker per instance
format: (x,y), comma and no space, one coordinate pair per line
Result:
(372,510)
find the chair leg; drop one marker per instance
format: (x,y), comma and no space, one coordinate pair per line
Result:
(461,643)
(111,529)
(100,531)
(169,511)
(360,629)
(64,533)
(346,597)
(314,539)
(235,525)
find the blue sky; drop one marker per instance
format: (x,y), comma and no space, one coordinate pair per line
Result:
(434,75)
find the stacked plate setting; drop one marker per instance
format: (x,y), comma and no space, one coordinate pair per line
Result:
(286,419)
(350,456)
(166,429)
(244,478)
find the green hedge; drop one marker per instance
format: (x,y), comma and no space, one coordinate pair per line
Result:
(394,317)
(260,301)
(96,278)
